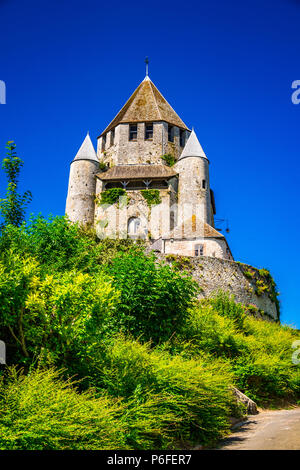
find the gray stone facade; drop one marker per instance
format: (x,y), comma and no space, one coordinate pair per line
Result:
(214,274)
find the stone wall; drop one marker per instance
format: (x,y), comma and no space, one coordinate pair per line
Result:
(249,285)
(213,247)
(112,221)
(123,151)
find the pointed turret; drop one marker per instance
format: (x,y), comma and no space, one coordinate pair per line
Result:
(192,148)
(194,190)
(80,206)
(86,151)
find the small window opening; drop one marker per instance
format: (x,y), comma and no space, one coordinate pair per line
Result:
(203,184)
(133,132)
(199,250)
(133,226)
(182,138)
(170,133)
(149,131)
(104,142)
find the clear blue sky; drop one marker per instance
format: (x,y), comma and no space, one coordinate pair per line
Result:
(226,68)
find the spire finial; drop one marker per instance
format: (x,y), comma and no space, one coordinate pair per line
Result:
(147,66)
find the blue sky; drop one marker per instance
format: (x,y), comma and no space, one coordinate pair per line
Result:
(226,68)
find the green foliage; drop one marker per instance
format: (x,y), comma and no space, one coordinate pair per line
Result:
(180,262)
(13,206)
(263,283)
(60,245)
(40,411)
(169,159)
(152,196)
(55,317)
(70,300)
(102,166)
(193,398)
(154,297)
(259,351)
(111,196)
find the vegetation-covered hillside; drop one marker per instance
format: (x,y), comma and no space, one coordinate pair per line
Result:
(109,349)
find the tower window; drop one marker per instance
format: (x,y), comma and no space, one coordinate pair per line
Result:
(104,142)
(148,131)
(170,133)
(112,137)
(133,132)
(182,138)
(203,184)
(199,250)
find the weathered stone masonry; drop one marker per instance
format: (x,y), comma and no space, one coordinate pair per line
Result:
(214,274)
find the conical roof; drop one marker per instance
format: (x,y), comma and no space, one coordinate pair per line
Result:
(192,147)
(146,104)
(86,151)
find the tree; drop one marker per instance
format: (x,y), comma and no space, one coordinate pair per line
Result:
(13,206)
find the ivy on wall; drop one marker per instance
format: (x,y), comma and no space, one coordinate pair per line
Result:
(111,196)
(152,196)
(169,159)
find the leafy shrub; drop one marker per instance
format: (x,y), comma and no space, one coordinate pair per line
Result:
(152,196)
(154,297)
(259,351)
(169,159)
(60,245)
(193,397)
(111,196)
(61,313)
(41,412)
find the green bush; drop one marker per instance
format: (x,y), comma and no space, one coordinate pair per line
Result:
(152,196)
(60,245)
(57,315)
(154,297)
(260,352)
(41,412)
(169,159)
(111,196)
(193,397)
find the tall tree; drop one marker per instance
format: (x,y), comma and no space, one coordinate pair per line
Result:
(13,206)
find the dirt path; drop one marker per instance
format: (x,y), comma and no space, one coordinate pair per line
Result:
(269,430)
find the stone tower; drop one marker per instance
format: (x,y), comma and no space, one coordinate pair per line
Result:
(80,206)
(149,180)
(146,128)
(193,185)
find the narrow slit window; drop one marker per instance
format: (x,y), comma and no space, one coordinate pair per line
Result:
(170,133)
(148,131)
(203,184)
(133,132)
(104,142)
(182,138)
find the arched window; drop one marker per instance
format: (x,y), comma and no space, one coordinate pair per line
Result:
(134,226)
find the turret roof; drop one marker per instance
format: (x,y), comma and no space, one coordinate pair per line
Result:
(190,229)
(146,104)
(86,151)
(192,147)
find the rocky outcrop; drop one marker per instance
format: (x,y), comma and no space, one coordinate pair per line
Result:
(251,406)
